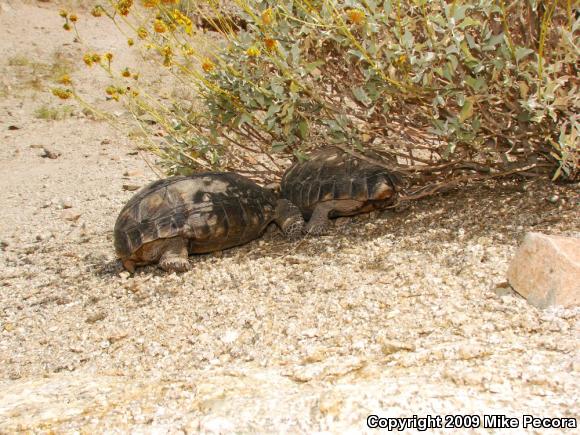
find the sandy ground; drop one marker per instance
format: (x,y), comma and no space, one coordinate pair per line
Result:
(400,314)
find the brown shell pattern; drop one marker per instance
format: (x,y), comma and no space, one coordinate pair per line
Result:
(213,210)
(331,174)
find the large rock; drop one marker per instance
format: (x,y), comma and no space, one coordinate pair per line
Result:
(546,270)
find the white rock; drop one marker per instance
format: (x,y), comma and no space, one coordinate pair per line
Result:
(546,270)
(70,215)
(66,203)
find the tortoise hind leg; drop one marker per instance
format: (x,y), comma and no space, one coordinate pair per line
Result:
(174,255)
(319,223)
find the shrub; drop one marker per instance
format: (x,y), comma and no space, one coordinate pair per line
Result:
(440,90)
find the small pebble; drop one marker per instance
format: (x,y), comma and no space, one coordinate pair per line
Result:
(70,215)
(389,347)
(124,275)
(47,153)
(133,173)
(44,236)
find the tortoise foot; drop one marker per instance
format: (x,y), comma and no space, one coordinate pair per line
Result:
(317,229)
(174,264)
(293,230)
(174,258)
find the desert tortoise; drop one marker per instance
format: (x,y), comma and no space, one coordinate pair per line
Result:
(171,218)
(334,183)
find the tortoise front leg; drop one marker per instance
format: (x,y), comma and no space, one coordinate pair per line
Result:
(174,255)
(289,219)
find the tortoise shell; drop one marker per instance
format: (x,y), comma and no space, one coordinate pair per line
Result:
(334,175)
(212,210)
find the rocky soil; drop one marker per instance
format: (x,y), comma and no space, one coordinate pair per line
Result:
(399,314)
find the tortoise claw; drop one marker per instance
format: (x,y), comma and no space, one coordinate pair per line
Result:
(175,264)
(316,230)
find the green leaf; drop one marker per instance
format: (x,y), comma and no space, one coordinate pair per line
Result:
(372,5)
(361,95)
(475,84)
(408,39)
(289,113)
(522,52)
(243,118)
(387,7)
(295,51)
(294,87)
(465,49)
(303,129)
(277,89)
(357,54)
(453,60)
(274,108)
(468,22)
(466,110)
(309,67)
(459,11)
(278,146)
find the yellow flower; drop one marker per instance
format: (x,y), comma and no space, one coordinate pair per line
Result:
(183,20)
(126,72)
(63,13)
(355,16)
(66,26)
(96,58)
(167,55)
(150,3)
(178,16)
(267,17)
(63,94)
(124,6)
(253,51)
(207,65)
(88,59)
(270,43)
(109,56)
(97,11)
(130,42)
(142,33)
(65,80)
(402,59)
(159,26)
(73,18)
(135,76)
(187,50)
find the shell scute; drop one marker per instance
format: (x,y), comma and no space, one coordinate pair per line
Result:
(210,209)
(334,175)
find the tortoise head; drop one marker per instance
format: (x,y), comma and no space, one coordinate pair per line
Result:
(289,218)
